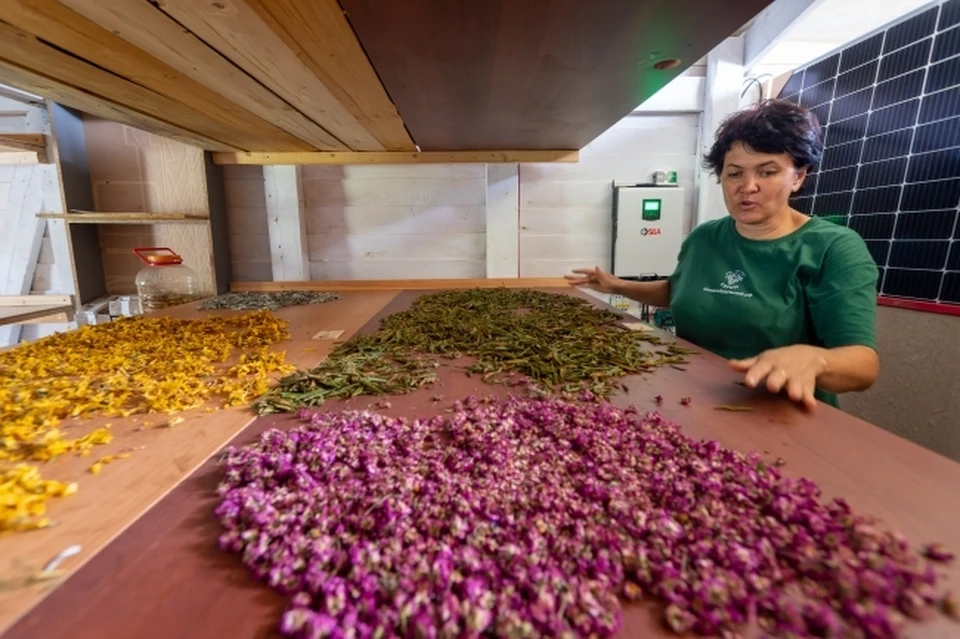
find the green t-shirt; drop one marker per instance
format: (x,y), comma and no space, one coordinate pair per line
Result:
(738,297)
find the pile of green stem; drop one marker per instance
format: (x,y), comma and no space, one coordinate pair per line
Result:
(553,341)
(271,301)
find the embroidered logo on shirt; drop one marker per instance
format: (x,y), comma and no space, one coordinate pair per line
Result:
(730,284)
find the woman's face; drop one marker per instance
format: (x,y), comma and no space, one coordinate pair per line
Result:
(757,186)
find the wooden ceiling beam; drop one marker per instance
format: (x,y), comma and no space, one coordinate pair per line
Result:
(238,33)
(93,104)
(150,29)
(54,23)
(23,50)
(397,157)
(320,35)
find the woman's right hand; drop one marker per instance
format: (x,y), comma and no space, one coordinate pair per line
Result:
(595,278)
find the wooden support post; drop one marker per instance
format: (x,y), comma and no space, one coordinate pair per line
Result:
(503,220)
(286,223)
(721,99)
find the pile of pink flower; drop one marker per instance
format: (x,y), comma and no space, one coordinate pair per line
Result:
(538,518)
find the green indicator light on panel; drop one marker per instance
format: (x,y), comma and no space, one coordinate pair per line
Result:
(651,209)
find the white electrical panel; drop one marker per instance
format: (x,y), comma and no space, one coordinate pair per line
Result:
(648,230)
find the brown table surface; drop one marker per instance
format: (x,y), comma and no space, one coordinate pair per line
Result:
(165,577)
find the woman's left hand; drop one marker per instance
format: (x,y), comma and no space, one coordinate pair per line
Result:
(794,368)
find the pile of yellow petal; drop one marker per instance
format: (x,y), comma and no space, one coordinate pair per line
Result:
(125,367)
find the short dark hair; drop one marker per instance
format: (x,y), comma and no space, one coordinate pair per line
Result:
(772,126)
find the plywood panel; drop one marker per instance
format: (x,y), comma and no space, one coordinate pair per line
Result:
(249,271)
(393,269)
(535,220)
(537,74)
(638,167)
(245,193)
(107,503)
(250,247)
(145,26)
(247,221)
(369,246)
(395,220)
(572,247)
(395,192)
(157,175)
(567,194)
(560,267)
(381,171)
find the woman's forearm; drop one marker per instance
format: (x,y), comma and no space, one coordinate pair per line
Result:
(656,293)
(848,368)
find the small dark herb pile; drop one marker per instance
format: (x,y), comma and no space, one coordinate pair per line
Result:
(270,301)
(515,336)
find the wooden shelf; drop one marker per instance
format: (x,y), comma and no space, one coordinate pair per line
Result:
(93,217)
(20,309)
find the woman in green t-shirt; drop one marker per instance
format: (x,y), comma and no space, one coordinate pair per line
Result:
(788,299)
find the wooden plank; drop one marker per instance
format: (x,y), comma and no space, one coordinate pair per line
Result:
(321,36)
(422,247)
(25,141)
(210,593)
(12,316)
(145,26)
(238,33)
(536,74)
(107,503)
(61,317)
(396,157)
(503,221)
(34,300)
(25,50)
(412,268)
(395,192)
(400,219)
(390,285)
(65,93)
(89,217)
(286,225)
(58,25)
(12,158)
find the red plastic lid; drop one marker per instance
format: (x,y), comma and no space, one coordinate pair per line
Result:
(158,256)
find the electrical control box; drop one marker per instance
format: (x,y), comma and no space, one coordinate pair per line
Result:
(647,229)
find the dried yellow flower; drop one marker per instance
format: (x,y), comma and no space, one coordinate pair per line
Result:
(98,465)
(129,366)
(24,495)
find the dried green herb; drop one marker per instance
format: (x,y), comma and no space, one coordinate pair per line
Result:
(271,301)
(553,341)
(734,408)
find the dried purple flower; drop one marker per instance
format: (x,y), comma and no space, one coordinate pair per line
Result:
(526,517)
(937,552)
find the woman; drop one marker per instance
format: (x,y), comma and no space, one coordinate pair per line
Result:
(787,298)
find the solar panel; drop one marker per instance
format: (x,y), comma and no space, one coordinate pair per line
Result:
(890,108)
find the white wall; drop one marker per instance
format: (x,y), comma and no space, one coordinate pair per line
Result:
(429,221)
(566,209)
